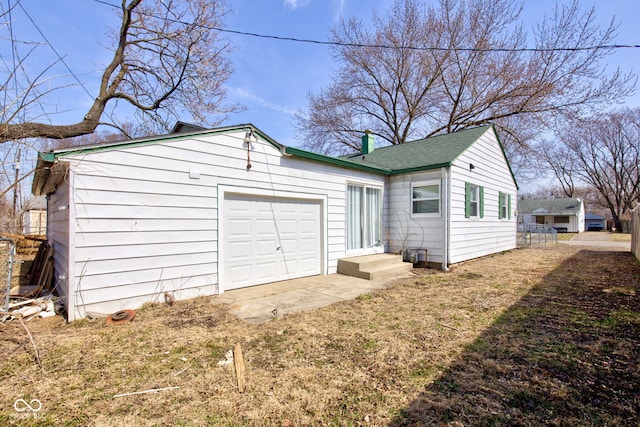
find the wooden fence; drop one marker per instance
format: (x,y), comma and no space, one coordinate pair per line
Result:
(635,231)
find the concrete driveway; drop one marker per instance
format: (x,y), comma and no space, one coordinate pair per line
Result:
(261,303)
(599,239)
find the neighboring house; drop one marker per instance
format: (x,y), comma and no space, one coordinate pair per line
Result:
(593,222)
(34,219)
(565,215)
(201,212)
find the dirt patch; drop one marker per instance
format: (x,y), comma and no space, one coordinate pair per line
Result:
(537,336)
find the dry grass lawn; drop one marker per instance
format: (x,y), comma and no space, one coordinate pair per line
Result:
(536,336)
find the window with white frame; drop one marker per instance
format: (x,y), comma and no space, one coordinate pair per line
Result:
(504,206)
(425,198)
(474,201)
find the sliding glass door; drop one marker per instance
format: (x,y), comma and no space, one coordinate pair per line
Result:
(364,217)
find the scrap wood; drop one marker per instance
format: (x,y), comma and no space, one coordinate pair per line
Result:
(25,302)
(35,237)
(40,275)
(240,369)
(151,390)
(45,253)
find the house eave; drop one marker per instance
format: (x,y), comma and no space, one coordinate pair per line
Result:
(48,175)
(85,149)
(297,152)
(420,169)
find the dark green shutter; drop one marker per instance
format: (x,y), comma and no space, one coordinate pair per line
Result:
(481,201)
(500,205)
(467,200)
(509,206)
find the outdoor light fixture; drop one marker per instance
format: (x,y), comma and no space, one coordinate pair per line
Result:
(247,136)
(471,167)
(247,140)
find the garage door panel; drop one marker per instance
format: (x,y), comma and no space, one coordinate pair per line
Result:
(307,246)
(264,248)
(307,226)
(269,239)
(241,273)
(239,228)
(237,249)
(289,246)
(266,270)
(265,227)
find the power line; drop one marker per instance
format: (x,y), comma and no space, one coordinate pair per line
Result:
(427,48)
(55,51)
(383,46)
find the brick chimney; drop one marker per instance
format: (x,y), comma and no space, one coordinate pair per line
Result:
(368,145)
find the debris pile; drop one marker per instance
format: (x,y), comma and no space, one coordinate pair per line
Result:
(33,296)
(29,309)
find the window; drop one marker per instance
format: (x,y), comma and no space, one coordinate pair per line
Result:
(364,217)
(474,201)
(561,220)
(540,220)
(504,207)
(425,198)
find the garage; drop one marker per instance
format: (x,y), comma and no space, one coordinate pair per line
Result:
(268,239)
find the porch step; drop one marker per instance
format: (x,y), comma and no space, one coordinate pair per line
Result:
(372,267)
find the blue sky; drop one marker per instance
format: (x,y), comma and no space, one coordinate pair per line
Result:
(271,78)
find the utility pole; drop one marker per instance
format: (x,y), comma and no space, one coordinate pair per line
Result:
(15,191)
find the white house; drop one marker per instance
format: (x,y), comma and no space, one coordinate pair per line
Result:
(565,215)
(199,212)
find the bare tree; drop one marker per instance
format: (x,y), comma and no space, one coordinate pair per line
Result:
(605,154)
(430,70)
(168,59)
(550,155)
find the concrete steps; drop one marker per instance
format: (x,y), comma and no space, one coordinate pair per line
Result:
(372,267)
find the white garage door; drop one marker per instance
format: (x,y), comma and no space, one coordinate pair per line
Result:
(269,239)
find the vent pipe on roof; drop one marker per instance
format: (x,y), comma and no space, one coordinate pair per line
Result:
(368,144)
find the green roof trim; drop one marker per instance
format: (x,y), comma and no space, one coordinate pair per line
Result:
(336,161)
(47,157)
(416,156)
(86,149)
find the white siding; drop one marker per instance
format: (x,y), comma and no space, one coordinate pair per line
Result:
(475,237)
(407,231)
(58,234)
(147,216)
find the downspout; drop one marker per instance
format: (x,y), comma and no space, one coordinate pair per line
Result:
(445,219)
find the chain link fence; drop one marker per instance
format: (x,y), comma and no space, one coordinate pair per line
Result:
(7,262)
(536,234)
